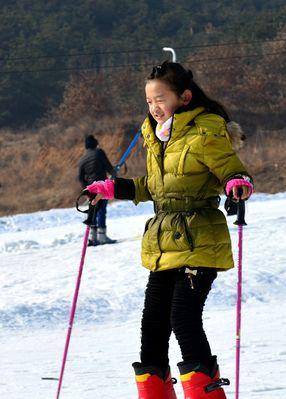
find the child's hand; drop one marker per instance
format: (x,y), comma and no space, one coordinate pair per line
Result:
(246,193)
(233,186)
(102,189)
(96,199)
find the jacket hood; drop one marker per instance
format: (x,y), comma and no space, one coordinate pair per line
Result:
(236,135)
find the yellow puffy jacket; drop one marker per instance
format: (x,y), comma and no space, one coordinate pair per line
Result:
(184,180)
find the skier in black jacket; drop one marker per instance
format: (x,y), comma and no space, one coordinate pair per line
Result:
(94,165)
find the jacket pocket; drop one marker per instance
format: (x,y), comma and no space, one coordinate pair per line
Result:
(174,234)
(187,232)
(150,250)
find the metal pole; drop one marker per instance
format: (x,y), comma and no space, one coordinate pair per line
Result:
(238,310)
(127,152)
(171,50)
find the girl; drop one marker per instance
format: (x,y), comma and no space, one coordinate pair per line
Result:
(190,160)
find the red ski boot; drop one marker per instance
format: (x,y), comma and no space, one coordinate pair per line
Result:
(151,384)
(200,383)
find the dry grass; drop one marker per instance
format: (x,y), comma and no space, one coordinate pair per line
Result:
(265,156)
(39,170)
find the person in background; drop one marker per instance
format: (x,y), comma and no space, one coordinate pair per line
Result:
(94,165)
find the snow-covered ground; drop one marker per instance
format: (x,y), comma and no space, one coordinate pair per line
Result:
(39,258)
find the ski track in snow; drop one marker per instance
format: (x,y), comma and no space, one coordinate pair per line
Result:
(40,254)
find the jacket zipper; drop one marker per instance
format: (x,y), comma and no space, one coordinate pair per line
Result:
(164,145)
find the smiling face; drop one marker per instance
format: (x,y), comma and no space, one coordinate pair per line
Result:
(162,101)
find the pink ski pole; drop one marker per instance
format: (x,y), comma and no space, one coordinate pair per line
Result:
(91,214)
(73,309)
(240,222)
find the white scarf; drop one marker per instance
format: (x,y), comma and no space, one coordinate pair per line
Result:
(163,131)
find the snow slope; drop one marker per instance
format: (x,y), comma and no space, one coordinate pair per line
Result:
(39,258)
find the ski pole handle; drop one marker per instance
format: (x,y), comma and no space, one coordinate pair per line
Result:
(91,210)
(87,194)
(240,221)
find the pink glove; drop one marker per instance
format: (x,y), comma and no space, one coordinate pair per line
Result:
(233,183)
(105,188)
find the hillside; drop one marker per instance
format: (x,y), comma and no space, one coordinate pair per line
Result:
(39,171)
(70,69)
(44,44)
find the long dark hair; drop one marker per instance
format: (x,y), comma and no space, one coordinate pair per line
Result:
(179,79)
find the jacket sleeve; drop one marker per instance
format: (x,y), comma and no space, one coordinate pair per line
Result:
(215,148)
(141,190)
(221,159)
(107,165)
(81,175)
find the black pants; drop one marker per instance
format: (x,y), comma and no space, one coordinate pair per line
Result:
(172,303)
